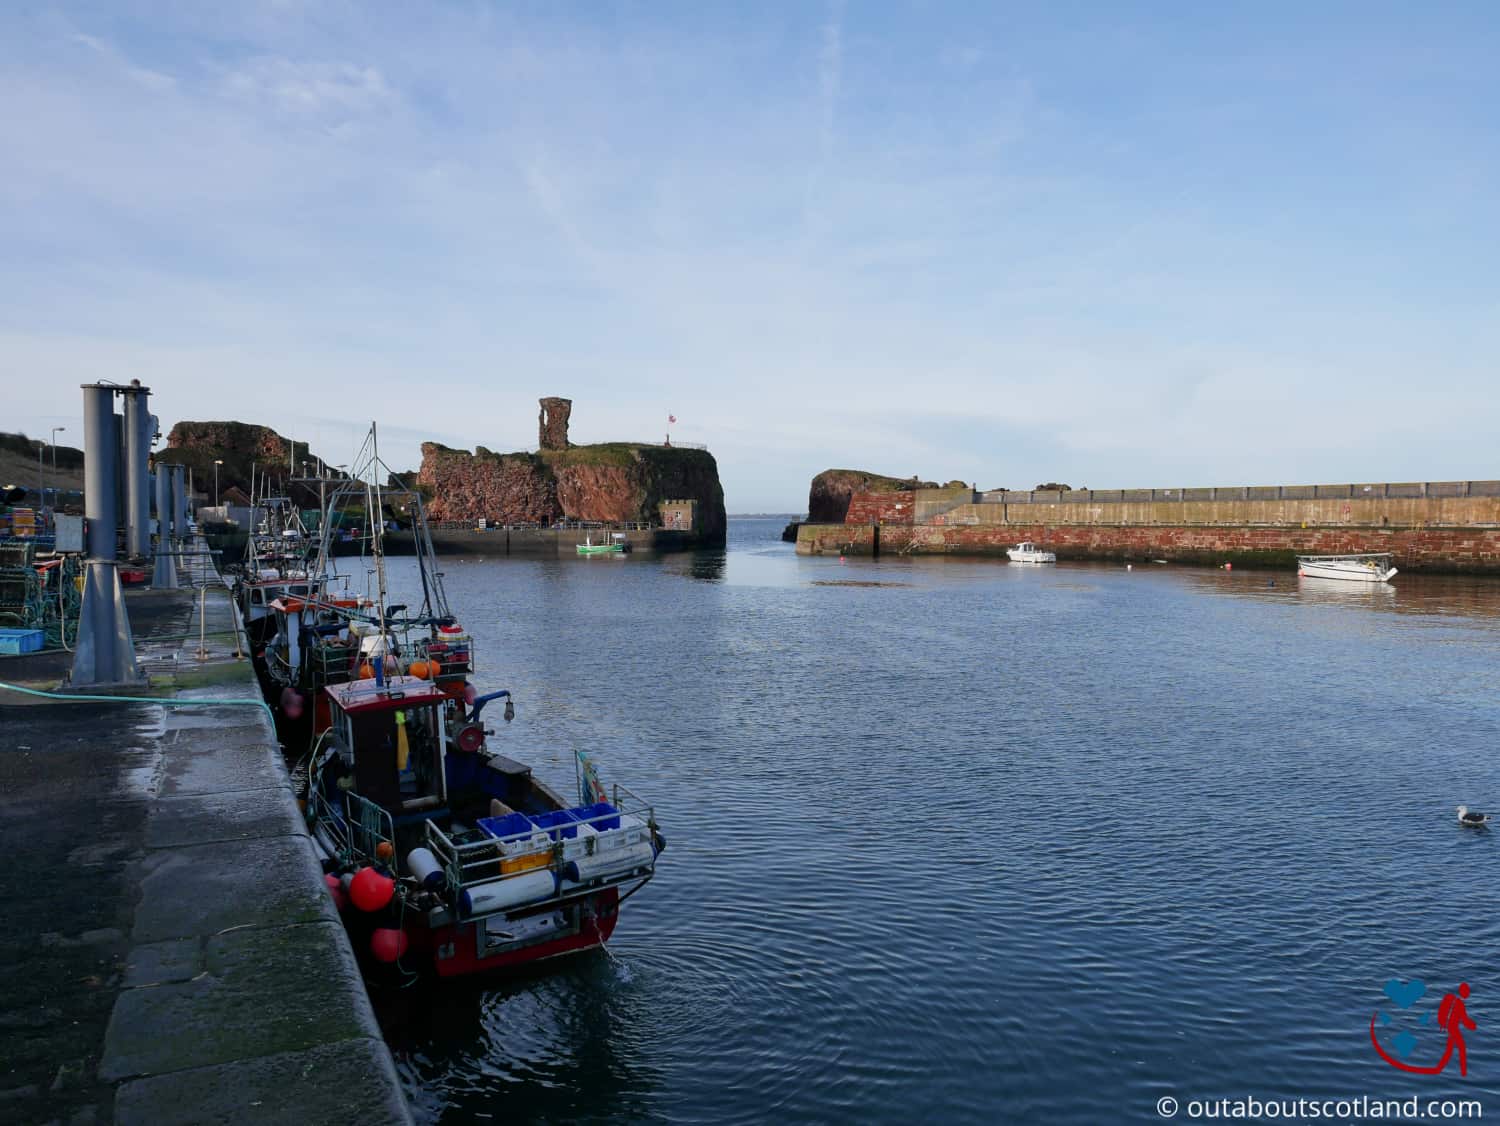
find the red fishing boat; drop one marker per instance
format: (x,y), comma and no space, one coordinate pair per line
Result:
(446,856)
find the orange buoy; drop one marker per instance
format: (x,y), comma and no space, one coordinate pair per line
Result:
(366,672)
(385,850)
(418,669)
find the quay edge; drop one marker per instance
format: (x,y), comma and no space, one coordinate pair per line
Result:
(187,946)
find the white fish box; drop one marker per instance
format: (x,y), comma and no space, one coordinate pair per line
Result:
(537,842)
(632,831)
(584,844)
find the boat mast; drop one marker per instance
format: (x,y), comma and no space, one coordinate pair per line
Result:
(377,527)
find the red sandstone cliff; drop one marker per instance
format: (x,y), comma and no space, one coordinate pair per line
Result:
(609,483)
(828,498)
(239,445)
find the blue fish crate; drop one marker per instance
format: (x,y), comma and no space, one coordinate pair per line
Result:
(600,816)
(557,822)
(14,642)
(509,825)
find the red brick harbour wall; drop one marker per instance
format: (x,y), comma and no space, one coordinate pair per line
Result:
(881,508)
(1465,550)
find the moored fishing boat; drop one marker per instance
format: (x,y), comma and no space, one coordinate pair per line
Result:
(1030,553)
(321,640)
(438,852)
(276,566)
(616,544)
(444,856)
(1370,567)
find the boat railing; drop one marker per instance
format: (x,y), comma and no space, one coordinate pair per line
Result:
(357,830)
(506,857)
(322,813)
(369,825)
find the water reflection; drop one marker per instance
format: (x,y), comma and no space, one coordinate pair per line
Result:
(708,565)
(1466,596)
(558,1042)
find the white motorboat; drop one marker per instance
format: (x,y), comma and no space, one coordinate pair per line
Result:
(1029,553)
(1374,567)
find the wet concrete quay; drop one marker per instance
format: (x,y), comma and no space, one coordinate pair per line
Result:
(169,953)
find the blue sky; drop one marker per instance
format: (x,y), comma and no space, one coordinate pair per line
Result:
(1114,245)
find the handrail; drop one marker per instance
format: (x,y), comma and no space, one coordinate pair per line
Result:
(1386,490)
(560,526)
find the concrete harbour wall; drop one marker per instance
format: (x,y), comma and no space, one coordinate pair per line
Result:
(1369,512)
(1428,526)
(1459,550)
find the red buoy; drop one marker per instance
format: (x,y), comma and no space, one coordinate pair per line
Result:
(388,943)
(336,891)
(370,890)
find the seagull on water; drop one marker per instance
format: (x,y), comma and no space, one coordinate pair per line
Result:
(1472,817)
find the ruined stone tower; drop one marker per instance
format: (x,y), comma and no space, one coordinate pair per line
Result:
(552,423)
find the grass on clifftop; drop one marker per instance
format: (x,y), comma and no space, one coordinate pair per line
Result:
(621,454)
(872,482)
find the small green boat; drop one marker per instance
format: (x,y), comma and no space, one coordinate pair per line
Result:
(615,545)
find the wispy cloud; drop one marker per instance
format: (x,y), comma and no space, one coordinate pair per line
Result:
(309,87)
(142,76)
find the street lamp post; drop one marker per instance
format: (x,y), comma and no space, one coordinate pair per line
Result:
(216,482)
(56,430)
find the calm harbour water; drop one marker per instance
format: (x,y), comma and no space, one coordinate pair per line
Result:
(985,841)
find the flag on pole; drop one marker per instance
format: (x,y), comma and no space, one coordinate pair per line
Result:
(590,789)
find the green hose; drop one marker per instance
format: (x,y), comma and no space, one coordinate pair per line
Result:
(71,698)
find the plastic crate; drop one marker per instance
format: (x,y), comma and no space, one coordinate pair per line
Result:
(608,816)
(508,825)
(14,642)
(557,822)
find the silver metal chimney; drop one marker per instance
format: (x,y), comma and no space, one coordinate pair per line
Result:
(138,433)
(179,503)
(105,653)
(164,573)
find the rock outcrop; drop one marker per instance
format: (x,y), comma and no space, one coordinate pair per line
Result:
(828,498)
(552,423)
(240,446)
(508,488)
(612,483)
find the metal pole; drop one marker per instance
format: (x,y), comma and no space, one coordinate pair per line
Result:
(137,448)
(56,430)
